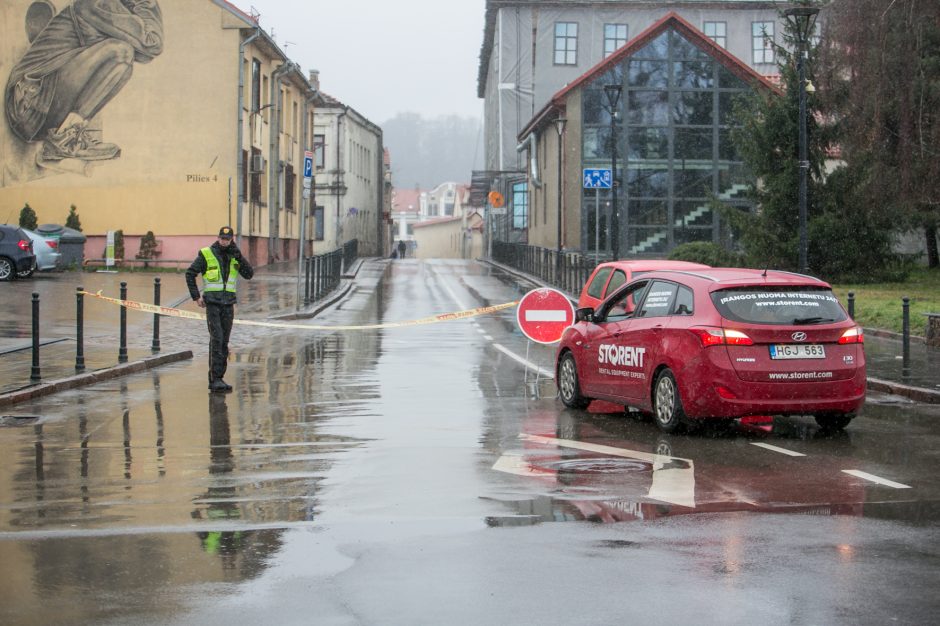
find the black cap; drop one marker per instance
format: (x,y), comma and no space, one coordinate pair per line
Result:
(226,232)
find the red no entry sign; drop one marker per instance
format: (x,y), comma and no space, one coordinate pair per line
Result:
(544,314)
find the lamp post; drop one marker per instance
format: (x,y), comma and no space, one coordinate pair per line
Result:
(802,19)
(613,99)
(560,127)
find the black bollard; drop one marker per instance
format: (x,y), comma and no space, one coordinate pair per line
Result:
(122,350)
(79,329)
(155,346)
(906,335)
(34,373)
(852,304)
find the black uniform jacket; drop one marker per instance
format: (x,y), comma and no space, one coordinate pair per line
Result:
(224,255)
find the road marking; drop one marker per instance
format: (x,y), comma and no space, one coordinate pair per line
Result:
(776,449)
(876,479)
(673,476)
(533,315)
(515,357)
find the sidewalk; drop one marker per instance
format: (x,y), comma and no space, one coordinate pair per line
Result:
(271,294)
(883,352)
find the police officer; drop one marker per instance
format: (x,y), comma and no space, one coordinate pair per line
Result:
(220,264)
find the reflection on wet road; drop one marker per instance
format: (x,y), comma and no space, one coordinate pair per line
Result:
(335,445)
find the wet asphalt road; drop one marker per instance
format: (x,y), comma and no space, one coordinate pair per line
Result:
(423,475)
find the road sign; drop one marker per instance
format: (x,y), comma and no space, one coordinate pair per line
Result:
(597,178)
(307,182)
(544,314)
(306,194)
(308,164)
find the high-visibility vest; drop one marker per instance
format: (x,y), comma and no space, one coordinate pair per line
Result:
(212,278)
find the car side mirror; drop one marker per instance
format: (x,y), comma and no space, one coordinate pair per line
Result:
(584,315)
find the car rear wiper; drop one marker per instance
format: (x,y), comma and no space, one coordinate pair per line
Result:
(812,320)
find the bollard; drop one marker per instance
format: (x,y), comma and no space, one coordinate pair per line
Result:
(906,335)
(852,304)
(155,346)
(34,373)
(122,350)
(79,330)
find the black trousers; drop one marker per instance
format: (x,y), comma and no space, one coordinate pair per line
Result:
(219,318)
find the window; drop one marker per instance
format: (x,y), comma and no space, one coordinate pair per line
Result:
(717,32)
(762,38)
(520,206)
(255,180)
(615,35)
(319,151)
(622,306)
(685,302)
(616,282)
(566,43)
(255,85)
(289,182)
(658,301)
(318,223)
(596,288)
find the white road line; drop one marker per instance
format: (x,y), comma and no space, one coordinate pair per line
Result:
(876,479)
(546,316)
(488,337)
(776,449)
(515,357)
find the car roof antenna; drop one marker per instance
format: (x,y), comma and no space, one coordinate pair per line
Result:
(765,273)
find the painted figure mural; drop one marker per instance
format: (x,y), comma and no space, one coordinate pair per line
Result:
(77,61)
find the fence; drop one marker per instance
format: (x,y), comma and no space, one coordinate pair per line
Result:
(323,271)
(567,271)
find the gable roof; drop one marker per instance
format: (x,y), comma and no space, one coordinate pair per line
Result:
(671,20)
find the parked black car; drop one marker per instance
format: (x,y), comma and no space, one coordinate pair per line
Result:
(16,252)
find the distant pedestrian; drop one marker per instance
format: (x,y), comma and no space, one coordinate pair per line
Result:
(402,248)
(220,265)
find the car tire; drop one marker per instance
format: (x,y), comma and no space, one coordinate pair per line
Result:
(7,269)
(667,405)
(834,421)
(569,387)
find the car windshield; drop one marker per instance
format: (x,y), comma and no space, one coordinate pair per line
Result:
(785,305)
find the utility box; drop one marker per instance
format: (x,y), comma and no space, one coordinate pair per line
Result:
(71,244)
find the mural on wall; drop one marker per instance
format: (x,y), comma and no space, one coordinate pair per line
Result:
(77,60)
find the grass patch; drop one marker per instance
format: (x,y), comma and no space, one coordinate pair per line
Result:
(879,305)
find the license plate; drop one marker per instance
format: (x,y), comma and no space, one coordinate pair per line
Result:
(797,351)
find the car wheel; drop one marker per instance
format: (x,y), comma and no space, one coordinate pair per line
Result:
(7,271)
(568,386)
(834,421)
(667,406)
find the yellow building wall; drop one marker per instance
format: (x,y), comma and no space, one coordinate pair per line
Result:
(174,121)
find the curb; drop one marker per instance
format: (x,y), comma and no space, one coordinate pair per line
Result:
(83,380)
(919,394)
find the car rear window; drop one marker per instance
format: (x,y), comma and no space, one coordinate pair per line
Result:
(760,305)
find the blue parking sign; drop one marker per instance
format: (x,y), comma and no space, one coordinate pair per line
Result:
(595,178)
(308,164)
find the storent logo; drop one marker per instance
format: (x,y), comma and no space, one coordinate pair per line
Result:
(620,355)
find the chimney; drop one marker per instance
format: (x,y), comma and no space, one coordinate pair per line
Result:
(315,79)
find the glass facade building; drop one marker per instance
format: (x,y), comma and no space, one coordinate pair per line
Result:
(672,136)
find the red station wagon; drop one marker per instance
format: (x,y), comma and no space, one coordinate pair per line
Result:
(608,277)
(718,343)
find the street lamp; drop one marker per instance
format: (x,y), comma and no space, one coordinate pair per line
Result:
(802,19)
(613,99)
(560,127)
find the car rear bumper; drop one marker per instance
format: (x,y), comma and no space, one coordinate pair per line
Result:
(729,396)
(25,263)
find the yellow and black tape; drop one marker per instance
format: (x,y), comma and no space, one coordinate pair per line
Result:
(144,307)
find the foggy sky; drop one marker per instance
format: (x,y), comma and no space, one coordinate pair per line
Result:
(382,57)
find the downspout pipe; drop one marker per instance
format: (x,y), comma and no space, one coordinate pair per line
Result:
(240,156)
(531,144)
(339,171)
(274,159)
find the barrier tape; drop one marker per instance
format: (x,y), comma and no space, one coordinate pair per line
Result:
(143,307)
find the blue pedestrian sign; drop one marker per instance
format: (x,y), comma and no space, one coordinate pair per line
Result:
(308,164)
(597,178)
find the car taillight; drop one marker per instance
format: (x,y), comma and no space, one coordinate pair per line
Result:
(23,244)
(52,243)
(721,336)
(853,335)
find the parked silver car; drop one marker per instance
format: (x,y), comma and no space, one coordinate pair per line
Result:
(47,254)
